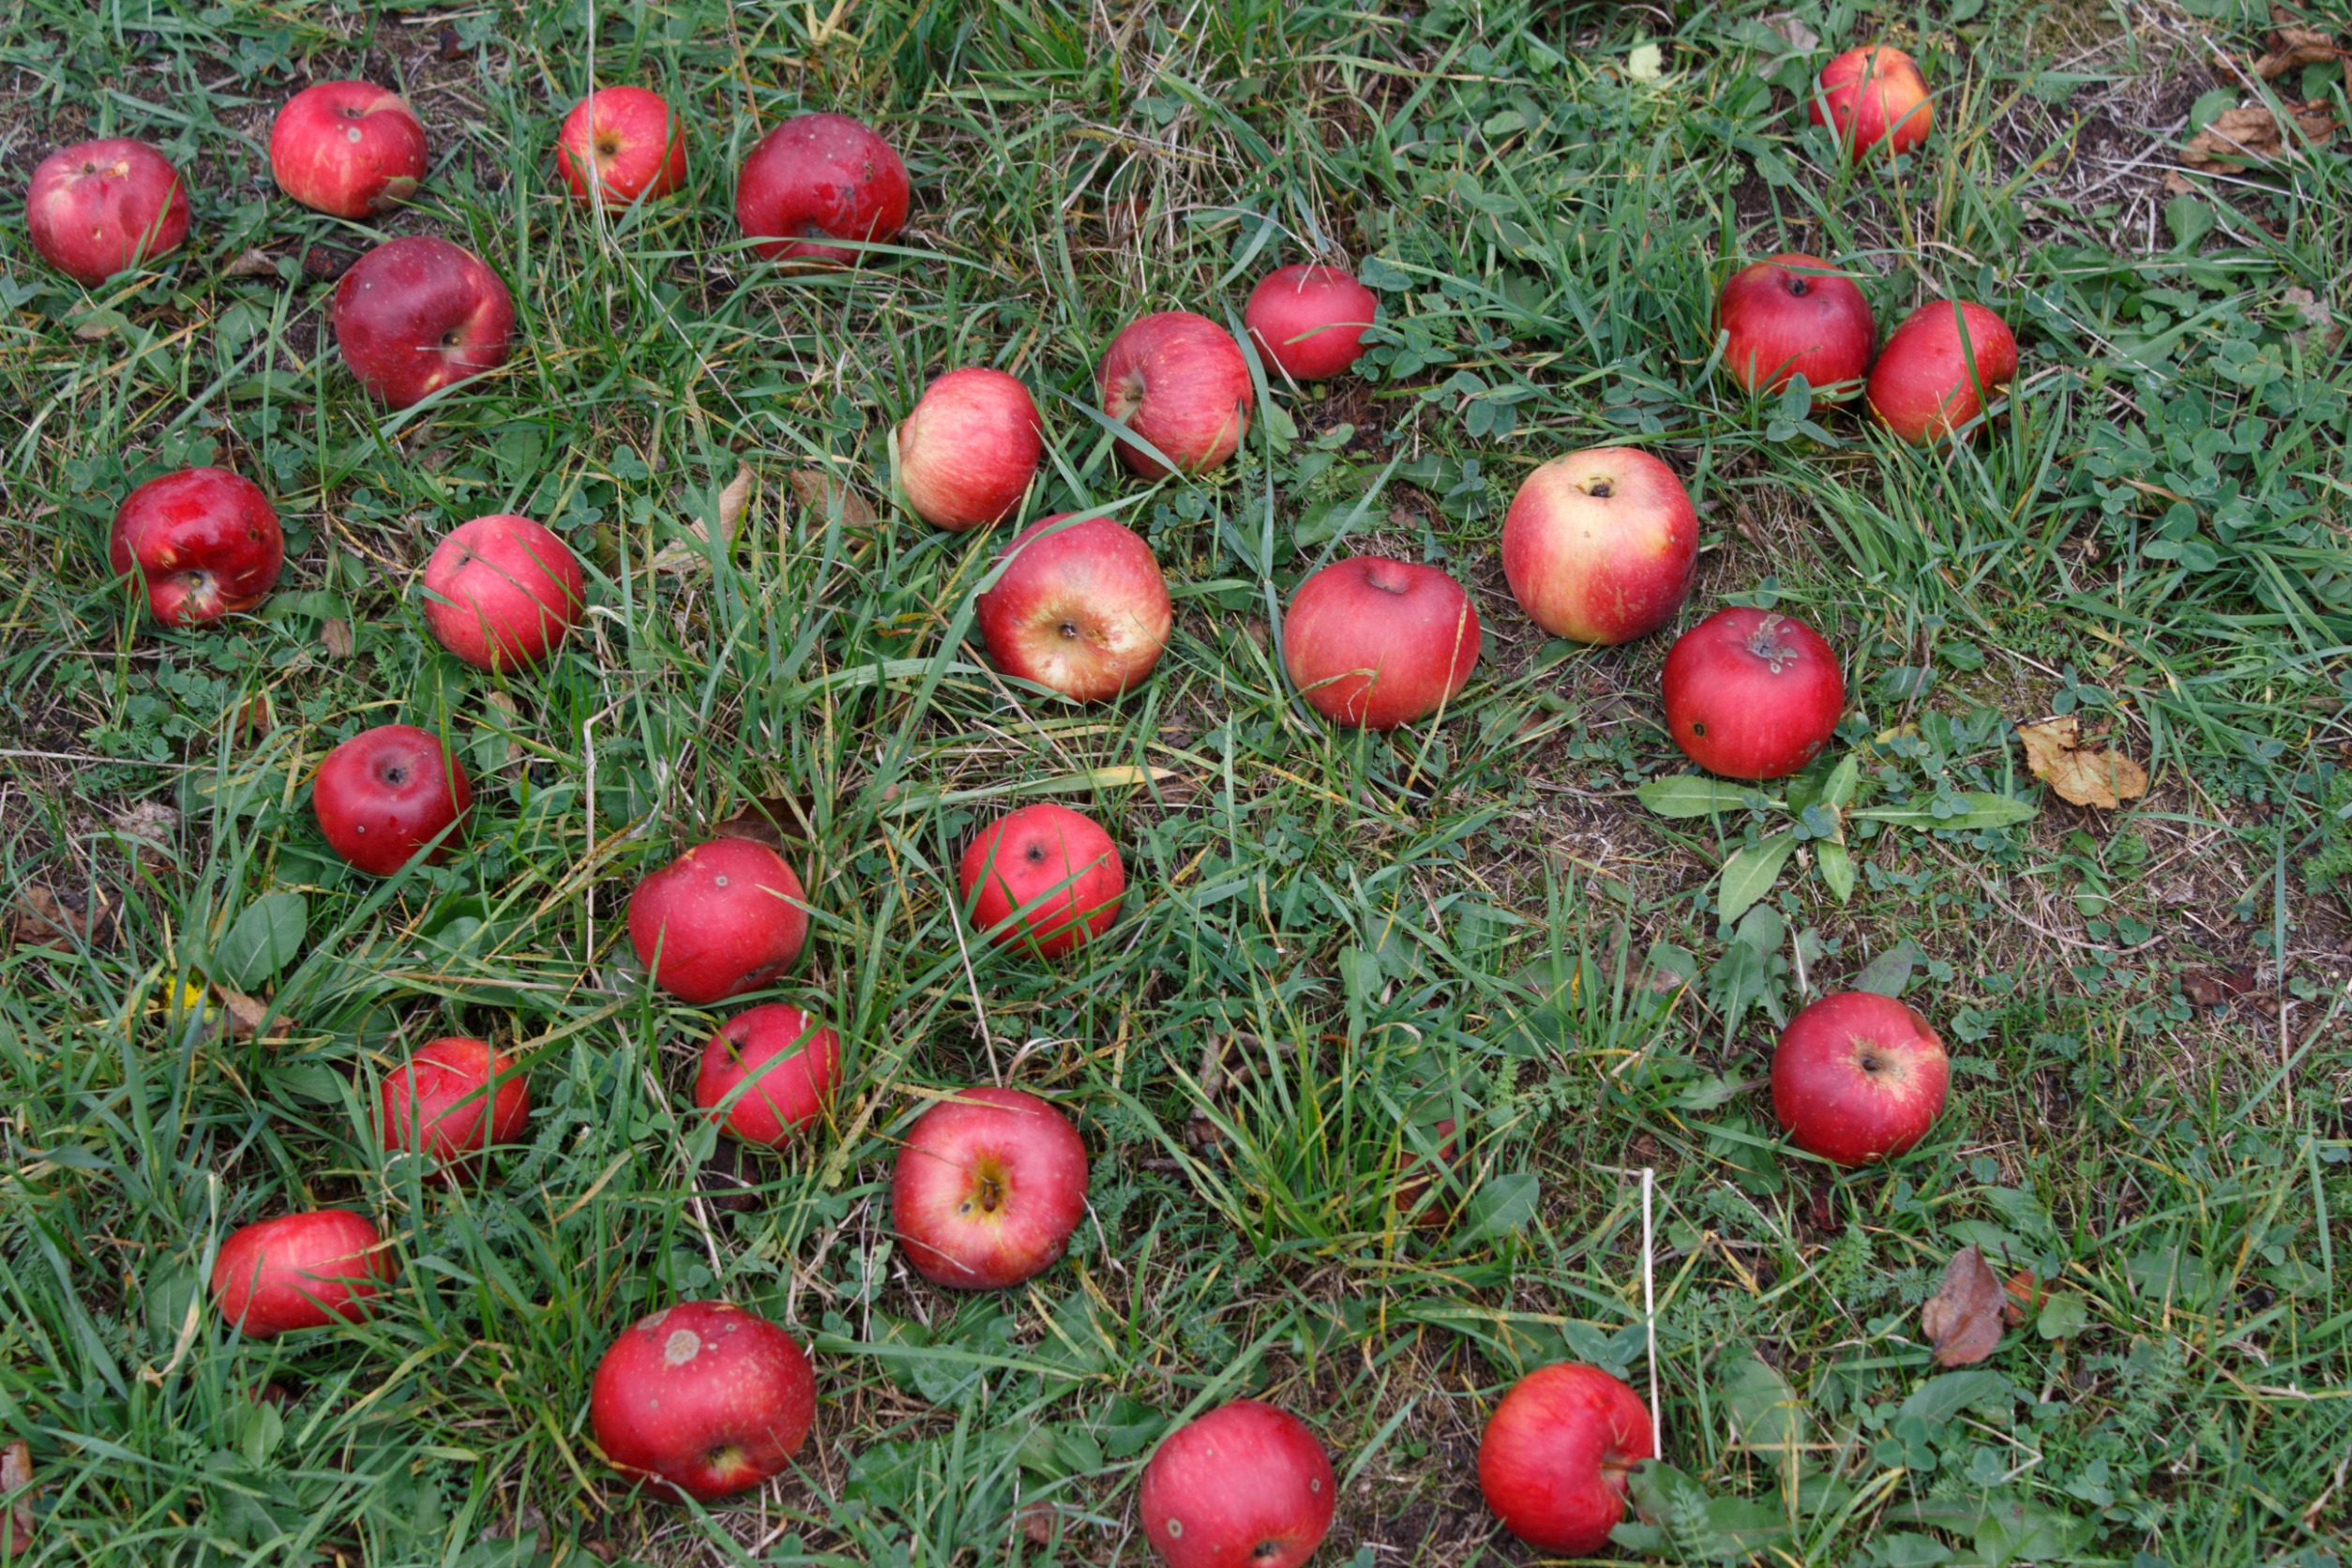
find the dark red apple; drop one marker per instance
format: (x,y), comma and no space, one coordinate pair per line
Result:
(451,1101)
(97,208)
(1308,322)
(352,149)
(417,314)
(1556,1453)
(1859,1078)
(1245,1486)
(1378,643)
(204,543)
(1081,606)
(988,1188)
(777,1066)
(299,1271)
(726,918)
(820,177)
(1874,97)
(1179,381)
(1044,878)
(703,1398)
(1599,546)
(387,792)
(968,448)
(500,591)
(627,139)
(1752,694)
(1924,387)
(1795,315)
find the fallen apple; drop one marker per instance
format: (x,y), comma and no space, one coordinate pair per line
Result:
(1308,322)
(502,592)
(726,918)
(1178,380)
(1044,877)
(969,449)
(99,208)
(204,542)
(1859,1078)
(351,149)
(1938,369)
(1378,643)
(1795,315)
(988,1188)
(387,792)
(1752,694)
(1246,1486)
(768,1075)
(456,1098)
(1874,97)
(703,1398)
(417,314)
(299,1271)
(1080,607)
(1599,546)
(820,177)
(1554,1460)
(619,144)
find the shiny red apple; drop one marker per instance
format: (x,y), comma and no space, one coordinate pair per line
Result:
(1378,643)
(1044,878)
(1599,546)
(1938,369)
(204,542)
(1081,606)
(1179,381)
(351,149)
(1859,1078)
(387,792)
(1556,1453)
(500,591)
(1308,322)
(1246,1486)
(417,314)
(703,1398)
(97,208)
(1752,693)
(1795,315)
(988,1188)
(769,1074)
(451,1101)
(1874,97)
(620,144)
(726,918)
(968,448)
(300,1271)
(818,178)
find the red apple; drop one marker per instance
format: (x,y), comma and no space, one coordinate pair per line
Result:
(453,1099)
(1081,606)
(387,792)
(204,541)
(1556,1453)
(417,314)
(1379,643)
(1246,1486)
(299,1271)
(777,1066)
(726,918)
(969,449)
(1874,96)
(349,148)
(1752,694)
(1599,546)
(988,1188)
(627,136)
(1179,381)
(1044,878)
(1795,315)
(500,591)
(1308,322)
(703,1398)
(817,177)
(1922,388)
(1859,1078)
(97,208)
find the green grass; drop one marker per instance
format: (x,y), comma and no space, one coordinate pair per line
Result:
(1333,940)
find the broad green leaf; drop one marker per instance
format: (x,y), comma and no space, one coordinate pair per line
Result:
(1983,810)
(1839,790)
(1837,868)
(1890,973)
(1749,875)
(263,942)
(2064,1313)
(1503,1204)
(1689,795)
(1939,1398)
(1766,1414)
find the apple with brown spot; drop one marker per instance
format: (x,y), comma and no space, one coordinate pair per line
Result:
(1752,693)
(703,1398)
(1859,1078)
(1246,1486)
(349,149)
(299,1271)
(1556,1453)
(726,918)
(817,179)
(1080,607)
(204,542)
(988,1188)
(99,208)
(620,144)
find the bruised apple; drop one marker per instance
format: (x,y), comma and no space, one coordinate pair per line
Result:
(204,542)
(1246,1486)
(351,149)
(702,1399)
(99,208)
(726,918)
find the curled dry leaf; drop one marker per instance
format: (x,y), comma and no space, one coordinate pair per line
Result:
(2241,139)
(829,497)
(1801,39)
(776,821)
(2212,987)
(42,920)
(2105,779)
(2294,47)
(338,639)
(16,1519)
(1962,1318)
(680,557)
(242,1016)
(251,263)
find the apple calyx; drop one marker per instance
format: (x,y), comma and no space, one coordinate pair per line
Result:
(1600,489)
(988,1188)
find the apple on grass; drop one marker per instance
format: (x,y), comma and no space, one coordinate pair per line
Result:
(349,149)
(726,918)
(1378,643)
(300,1271)
(1178,380)
(1246,1486)
(1599,546)
(1795,315)
(1859,1078)
(968,450)
(387,792)
(1938,369)
(204,542)
(768,1075)
(417,314)
(502,592)
(1874,97)
(1045,878)
(702,1399)
(818,178)
(627,140)
(1079,607)
(99,208)
(988,1188)
(1555,1457)
(1752,694)
(1308,322)
(456,1098)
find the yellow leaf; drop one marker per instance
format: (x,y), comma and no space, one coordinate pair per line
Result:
(1647,63)
(2103,779)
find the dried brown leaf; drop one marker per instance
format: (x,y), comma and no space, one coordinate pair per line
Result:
(251,263)
(509,716)
(1801,39)
(829,496)
(2023,1297)
(775,821)
(2105,779)
(42,921)
(2241,139)
(1962,1318)
(16,1519)
(242,1015)
(2294,47)
(338,639)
